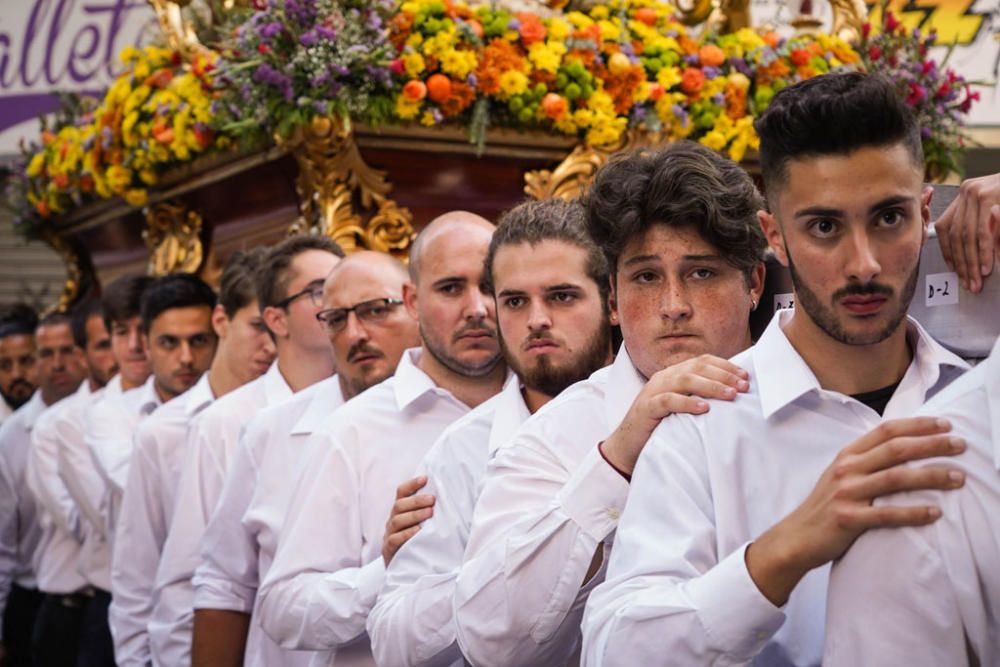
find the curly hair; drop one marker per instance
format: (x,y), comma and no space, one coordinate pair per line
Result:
(684,184)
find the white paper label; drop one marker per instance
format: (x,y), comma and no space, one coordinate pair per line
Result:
(782,301)
(941,289)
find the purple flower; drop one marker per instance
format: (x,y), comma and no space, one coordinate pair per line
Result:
(926,133)
(106,137)
(438,116)
(719,99)
(374,21)
(308,38)
(711,72)
(741,66)
(691,59)
(269,30)
(513,24)
(271,77)
(681,114)
(472,80)
(302,12)
(672,33)
(326,33)
(319,107)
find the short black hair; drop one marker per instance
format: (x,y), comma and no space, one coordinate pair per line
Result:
(18,319)
(122,298)
(833,114)
(535,221)
(274,276)
(176,290)
(682,185)
(55,318)
(80,315)
(237,288)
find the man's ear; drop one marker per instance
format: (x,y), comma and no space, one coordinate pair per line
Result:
(773,234)
(276,321)
(757,282)
(220,322)
(613,300)
(410,300)
(925,211)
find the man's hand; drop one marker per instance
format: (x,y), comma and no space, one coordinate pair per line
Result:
(969,230)
(840,507)
(678,388)
(408,512)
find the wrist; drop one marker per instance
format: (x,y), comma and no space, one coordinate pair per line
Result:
(610,455)
(775,566)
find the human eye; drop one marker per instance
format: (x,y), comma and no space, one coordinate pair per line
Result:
(703,273)
(892,217)
(167,342)
(375,311)
(336,319)
(6,365)
(514,302)
(563,297)
(451,289)
(201,340)
(823,228)
(645,276)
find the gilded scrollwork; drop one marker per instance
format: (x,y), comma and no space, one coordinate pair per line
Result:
(173,236)
(333,178)
(76,273)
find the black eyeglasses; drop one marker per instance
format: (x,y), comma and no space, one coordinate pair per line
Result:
(375,310)
(313,289)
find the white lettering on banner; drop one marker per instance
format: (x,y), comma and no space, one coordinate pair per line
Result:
(941,289)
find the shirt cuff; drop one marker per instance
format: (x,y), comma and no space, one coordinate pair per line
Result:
(735,614)
(594,496)
(370,578)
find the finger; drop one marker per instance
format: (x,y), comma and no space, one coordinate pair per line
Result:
(668,404)
(701,387)
(681,380)
(943,229)
(412,503)
(893,516)
(957,234)
(971,238)
(910,448)
(904,478)
(409,487)
(989,242)
(897,428)
(400,522)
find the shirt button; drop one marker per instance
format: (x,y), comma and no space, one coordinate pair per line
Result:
(614,513)
(761,636)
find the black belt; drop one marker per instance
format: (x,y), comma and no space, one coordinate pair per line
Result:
(73,600)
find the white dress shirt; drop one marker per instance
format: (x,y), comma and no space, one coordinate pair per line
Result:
(19,528)
(242,536)
(548,503)
(706,486)
(915,596)
(328,568)
(110,437)
(87,487)
(57,558)
(210,449)
(412,622)
(5,410)
(147,507)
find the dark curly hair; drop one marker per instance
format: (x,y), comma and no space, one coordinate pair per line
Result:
(535,221)
(833,114)
(685,184)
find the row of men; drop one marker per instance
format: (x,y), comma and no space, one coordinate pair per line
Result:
(462,489)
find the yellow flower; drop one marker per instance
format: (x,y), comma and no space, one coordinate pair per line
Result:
(558,29)
(414,64)
(36,164)
(714,140)
(579,20)
(512,82)
(415,39)
(409,7)
(546,56)
(606,130)
(427,119)
(148,176)
(118,178)
(749,39)
(668,77)
(135,196)
(459,64)
(609,31)
(407,109)
(599,12)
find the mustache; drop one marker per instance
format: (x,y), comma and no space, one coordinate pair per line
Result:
(868,289)
(362,348)
(475,328)
(20,382)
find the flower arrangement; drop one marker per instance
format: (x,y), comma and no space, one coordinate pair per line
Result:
(290,61)
(155,115)
(629,63)
(938,96)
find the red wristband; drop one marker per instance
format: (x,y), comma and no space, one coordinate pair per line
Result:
(600,448)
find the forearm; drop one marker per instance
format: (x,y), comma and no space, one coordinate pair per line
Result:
(413,625)
(219,639)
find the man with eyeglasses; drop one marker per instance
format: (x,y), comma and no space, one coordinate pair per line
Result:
(289,292)
(369,331)
(328,566)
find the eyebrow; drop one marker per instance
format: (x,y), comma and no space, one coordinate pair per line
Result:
(828,212)
(640,259)
(449,279)
(562,287)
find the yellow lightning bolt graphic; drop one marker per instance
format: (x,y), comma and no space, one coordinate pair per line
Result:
(952,19)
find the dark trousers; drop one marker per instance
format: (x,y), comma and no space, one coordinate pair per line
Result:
(18,624)
(96,647)
(56,640)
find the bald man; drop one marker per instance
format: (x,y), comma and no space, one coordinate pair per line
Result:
(369,332)
(328,567)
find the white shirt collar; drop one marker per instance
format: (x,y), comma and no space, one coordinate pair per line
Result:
(114,385)
(30,410)
(149,399)
(410,382)
(511,412)
(774,351)
(198,396)
(327,397)
(276,389)
(624,384)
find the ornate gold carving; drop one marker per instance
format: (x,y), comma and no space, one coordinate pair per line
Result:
(179,32)
(172,235)
(75,272)
(574,173)
(332,178)
(848,18)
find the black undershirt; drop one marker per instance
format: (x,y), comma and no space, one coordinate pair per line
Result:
(878,399)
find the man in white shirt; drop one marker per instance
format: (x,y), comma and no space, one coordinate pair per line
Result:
(550,283)
(17,357)
(58,558)
(244,352)
(931,595)
(289,291)
(329,565)
(240,540)
(722,553)
(56,635)
(552,496)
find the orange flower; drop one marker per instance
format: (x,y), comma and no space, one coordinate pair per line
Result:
(799,57)
(61,180)
(438,87)
(646,15)
(43,209)
(462,96)
(415,90)
(497,57)
(692,80)
(772,39)
(87,183)
(711,55)
(159,78)
(555,106)
(687,44)
(736,102)
(532,30)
